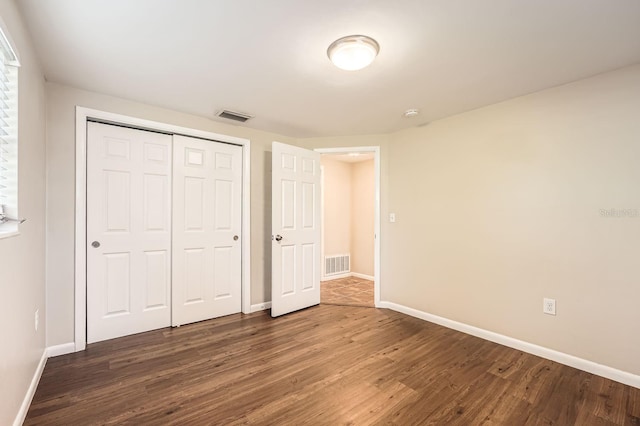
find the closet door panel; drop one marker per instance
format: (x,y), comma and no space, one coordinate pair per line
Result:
(128,231)
(207,188)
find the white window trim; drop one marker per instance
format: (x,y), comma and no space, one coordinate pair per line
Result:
(9,222)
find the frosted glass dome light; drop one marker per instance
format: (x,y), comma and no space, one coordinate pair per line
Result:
(353,52)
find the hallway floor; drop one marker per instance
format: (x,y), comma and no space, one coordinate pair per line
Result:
(349,291)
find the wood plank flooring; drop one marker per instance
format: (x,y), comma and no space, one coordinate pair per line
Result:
(327,365)
(351,291)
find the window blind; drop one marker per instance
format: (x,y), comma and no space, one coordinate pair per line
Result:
(8,129)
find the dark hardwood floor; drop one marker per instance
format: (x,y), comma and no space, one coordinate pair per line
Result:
(351,291)
(324,365)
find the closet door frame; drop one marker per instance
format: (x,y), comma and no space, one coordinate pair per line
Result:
(83,116)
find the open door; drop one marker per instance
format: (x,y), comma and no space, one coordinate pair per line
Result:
(295,239)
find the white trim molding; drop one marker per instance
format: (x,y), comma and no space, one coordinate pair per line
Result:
(550,354)
(335,277)
(376,221)
(347,275)
(31,391)
(260,307)
(57,350)
(9,234)
(85,114)
(363,276)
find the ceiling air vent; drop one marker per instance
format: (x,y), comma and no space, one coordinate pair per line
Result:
(235,116)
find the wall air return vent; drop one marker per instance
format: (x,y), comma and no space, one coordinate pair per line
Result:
(339,264)
(235,116)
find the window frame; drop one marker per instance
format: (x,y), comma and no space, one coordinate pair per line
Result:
(9,142)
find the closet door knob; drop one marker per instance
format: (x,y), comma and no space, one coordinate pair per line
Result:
(95,244)
(235,238)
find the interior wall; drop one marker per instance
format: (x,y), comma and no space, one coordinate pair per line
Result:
(61,103)
(337,207)
(362,217)
(22,257)
(502,206)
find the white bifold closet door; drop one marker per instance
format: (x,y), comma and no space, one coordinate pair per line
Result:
(207,190)
(128,231)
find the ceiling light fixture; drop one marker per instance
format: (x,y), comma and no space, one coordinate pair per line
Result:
(353,52)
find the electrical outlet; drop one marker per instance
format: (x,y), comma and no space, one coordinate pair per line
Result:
(36,319)
(549,306)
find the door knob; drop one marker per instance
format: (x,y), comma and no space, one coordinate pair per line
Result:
(235,238)
(278,238)
(95,244)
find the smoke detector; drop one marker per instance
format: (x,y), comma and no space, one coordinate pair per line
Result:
(233,115)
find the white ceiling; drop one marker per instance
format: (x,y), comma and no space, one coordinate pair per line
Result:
(268,58)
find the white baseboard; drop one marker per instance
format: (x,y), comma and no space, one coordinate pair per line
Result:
(65,348)
(335,277)
(347,275)
(363,276)
(550,354)
(26,402)
(260,307)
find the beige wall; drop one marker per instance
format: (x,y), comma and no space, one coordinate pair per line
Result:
(362,217)
(349,194)
(61,103)
(500,207)
(22,258)
(337,207)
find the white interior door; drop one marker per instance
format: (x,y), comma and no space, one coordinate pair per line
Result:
(206,229)
(295,255)
(128,231)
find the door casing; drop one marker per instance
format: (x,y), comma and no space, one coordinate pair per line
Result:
(83,115)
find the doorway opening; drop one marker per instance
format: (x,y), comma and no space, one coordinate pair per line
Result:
(350,224)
